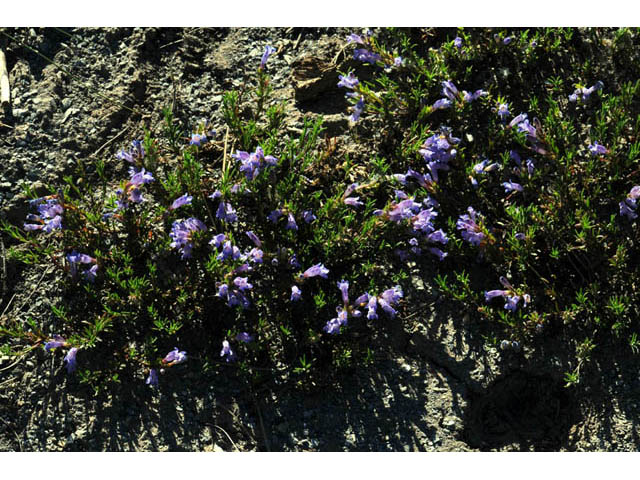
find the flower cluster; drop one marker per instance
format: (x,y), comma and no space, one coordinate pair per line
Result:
(532,132)
(472,228)
(512,297)
(49,216)
(387,300)
(419,216)
(452,95)
(202,134)
(437,150)
(235,293)
(134,154)
(253,163)
(182,232)
(582,93)
(75,259)
(628,205)
(130,191)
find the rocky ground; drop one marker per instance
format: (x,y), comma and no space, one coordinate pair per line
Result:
(435,388)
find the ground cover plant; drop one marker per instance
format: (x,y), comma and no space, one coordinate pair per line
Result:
(505,167)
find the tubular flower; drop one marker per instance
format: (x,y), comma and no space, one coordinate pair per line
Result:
(152,379)
(70,360)
(253,163)
(583,94)
(296,294)
(57,341)
(174,357)
(179,202)
(509,294)
(265,56)
(226,352)
(316,270)
(469,227)
(49,216)
(628,205)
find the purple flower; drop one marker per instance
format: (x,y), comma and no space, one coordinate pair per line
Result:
(244,337)
(265,56)
(291,223)
(57,341)
(215,195)
(353,202)
(308,216)
(485,167)
(517,120)
(70,360)
(316,270)
(226,212)
(296,294)
(507,40)
(511,187)
(503,111)
(470,97)
(583,93)
(333,326)
(350,81)
(471,231)
(181,233)
(135,153)
(253,237)
(242,284)
(495,293)
(343,285)
(227,352)
(441,104)
(398,61)
(353,38)
(253,163)
(372,307)
(218,240)
(90,275)
(512,303)
(438,237)
(275,215)
(175,357)
(629,204)
(520,236)
(438,253)
(449,90)
(141,177)
(49,211)
(626,210)
(255,255)
(597,149)
(183,200)
(364,55)
(457,42)
(357,110)
(198,139)
(152,379)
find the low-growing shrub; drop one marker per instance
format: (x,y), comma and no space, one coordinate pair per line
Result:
(505,165)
